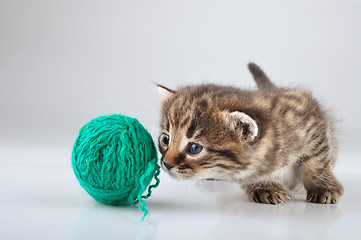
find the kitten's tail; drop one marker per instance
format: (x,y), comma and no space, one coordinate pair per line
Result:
(262,81)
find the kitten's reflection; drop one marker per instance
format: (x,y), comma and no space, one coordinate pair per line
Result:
(231,198)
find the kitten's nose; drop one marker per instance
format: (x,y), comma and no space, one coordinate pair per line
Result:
(168,165)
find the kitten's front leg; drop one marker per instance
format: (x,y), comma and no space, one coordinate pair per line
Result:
(321,185)
(269,193)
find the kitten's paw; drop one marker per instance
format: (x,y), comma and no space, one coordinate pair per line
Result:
(323,196)
(268,196)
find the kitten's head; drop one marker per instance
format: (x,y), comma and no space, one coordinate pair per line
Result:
(203,136)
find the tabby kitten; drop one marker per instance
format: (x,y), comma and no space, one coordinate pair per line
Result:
(269,140)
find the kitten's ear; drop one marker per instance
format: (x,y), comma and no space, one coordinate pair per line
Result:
(242,124)
(165,93)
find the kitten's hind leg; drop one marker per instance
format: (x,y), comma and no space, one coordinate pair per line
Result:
(320,183)
(269,193)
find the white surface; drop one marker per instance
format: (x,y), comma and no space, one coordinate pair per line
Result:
(65,62)
(42,200)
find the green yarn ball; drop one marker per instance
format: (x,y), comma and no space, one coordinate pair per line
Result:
(114,159)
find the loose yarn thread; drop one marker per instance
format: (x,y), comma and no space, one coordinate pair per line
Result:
(114,160)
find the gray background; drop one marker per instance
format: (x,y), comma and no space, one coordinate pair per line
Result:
(65,62)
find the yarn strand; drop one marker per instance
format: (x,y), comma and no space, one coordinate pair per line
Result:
(157,181)
(152,170)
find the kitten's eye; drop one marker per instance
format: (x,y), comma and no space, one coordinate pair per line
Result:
(195,148)
(164,139)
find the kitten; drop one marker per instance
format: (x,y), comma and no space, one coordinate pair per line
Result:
(269,140)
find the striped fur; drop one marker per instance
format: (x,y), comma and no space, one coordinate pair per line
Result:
(292,141)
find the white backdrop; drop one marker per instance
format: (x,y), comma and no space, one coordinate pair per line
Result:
(65,62)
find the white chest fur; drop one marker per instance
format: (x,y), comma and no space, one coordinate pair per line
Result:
(289,177)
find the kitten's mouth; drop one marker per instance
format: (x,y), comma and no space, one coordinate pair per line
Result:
(211,179)
(178,173)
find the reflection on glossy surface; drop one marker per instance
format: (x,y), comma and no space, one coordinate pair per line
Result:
(101,221)
(45,201)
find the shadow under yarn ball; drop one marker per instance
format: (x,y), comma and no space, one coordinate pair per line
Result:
(114,159)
